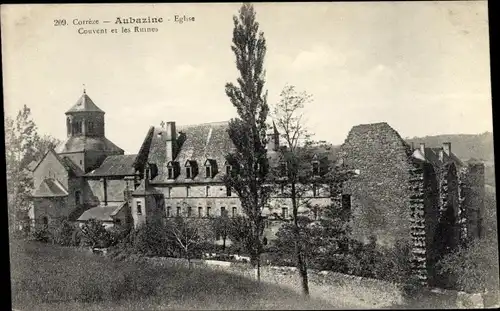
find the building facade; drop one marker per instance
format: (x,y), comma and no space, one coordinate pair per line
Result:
(425,196)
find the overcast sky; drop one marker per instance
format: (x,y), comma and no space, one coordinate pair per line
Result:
(423,67)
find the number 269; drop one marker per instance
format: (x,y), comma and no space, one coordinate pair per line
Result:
(59,22)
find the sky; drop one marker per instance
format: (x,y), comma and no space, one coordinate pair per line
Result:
(422,67)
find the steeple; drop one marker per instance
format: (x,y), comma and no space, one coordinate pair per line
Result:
(84,118)
(84,104)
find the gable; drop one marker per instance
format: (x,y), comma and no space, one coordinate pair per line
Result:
(50,167)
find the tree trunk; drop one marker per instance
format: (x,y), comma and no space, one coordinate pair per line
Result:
(224,243)
(188,259)
(299,253)
(257,269)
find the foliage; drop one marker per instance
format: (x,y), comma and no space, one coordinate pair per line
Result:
(474,268)
(41,234)
(190,235)
(221,227)
(248,132)
(150,239)
(23,145)
(94,234)
(62,233)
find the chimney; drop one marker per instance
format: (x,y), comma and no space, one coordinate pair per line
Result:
(171,136)
(447,148)
(422,148)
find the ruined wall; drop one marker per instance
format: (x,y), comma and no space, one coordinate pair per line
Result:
(380,193)
(474,192)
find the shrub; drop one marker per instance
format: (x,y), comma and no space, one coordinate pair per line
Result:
(41,234)
(62,233)
(94,234)
(474,269)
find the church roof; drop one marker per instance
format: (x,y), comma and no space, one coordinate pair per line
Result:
(102,212)
(50,188)
(116,165)
(86,143)
(84,104)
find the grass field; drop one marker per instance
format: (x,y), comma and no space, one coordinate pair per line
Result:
(47,277)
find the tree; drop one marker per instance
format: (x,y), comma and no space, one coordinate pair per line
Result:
(94,234)
(221,226)
(189,234)
(23,146)
(248,132)
(20,138)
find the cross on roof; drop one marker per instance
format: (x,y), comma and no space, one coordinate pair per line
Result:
(162,124)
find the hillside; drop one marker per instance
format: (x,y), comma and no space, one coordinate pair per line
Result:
(465,146)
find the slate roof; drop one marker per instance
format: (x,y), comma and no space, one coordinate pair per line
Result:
(102,212)
(50,188)
(82,143)
(84,104)
(71,166)
(115,165)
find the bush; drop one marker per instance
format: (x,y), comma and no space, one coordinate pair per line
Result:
(94,234)
(41,234)
(62,233)
(473,269)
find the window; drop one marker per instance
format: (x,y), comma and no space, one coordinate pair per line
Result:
(208,211)
(282,188)
(315,165)
(45,220)
(188,188)
(284,212)
(315,191)
(77,197)
(188,172)
(169,211)
(169,192)
(118,221)
(189,211)
(228,169)
(200,211)
(223,211)
(228,191)
(138,206)
(207,191)
(208,171)
(178,211)
(170,173)
(346,202)
(235,211)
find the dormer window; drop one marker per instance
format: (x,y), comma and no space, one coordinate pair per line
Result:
(210,168)
(172,169)
(191,169)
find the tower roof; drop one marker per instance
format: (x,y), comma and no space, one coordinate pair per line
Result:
(84,104)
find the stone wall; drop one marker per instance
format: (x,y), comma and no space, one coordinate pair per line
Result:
(381,191)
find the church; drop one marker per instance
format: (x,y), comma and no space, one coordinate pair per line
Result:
(424,195)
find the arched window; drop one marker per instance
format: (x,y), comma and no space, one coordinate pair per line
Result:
(45,220)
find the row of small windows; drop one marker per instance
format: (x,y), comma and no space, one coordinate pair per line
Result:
(76,127)
(207,213)
(191,169)
(207,191)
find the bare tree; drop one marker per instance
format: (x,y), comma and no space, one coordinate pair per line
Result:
(305,177)
(189,234)
(248,132)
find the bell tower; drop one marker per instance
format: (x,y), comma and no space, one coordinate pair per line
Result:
(86,144)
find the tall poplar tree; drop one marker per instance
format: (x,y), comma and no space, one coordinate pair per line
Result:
(248,132)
